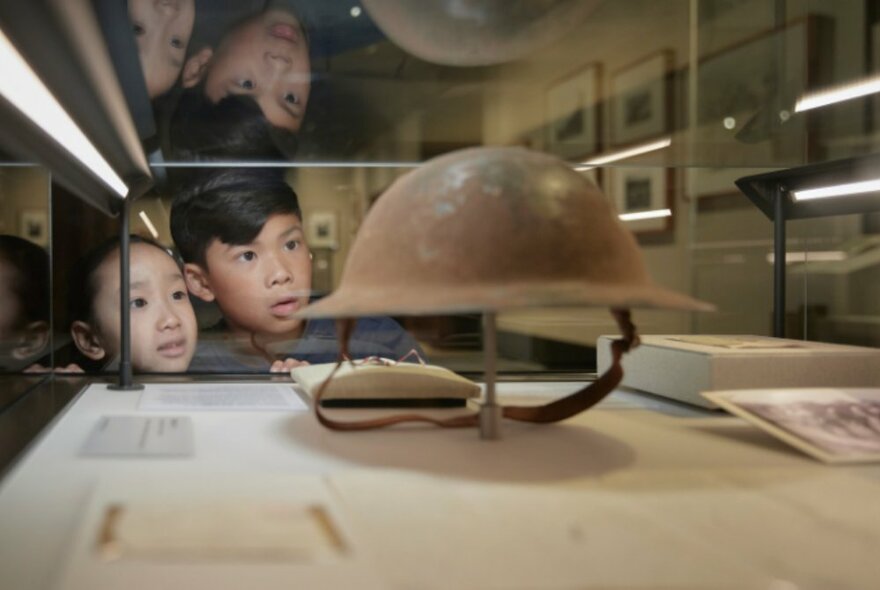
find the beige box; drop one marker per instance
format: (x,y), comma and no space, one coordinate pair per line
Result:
(680,367)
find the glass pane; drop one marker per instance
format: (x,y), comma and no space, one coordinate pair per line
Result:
(662,105)
(832,273)
(221,260)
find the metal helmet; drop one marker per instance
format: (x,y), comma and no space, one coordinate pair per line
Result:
(490,229)
(476,32)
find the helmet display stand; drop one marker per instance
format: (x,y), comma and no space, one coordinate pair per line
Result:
(490,411)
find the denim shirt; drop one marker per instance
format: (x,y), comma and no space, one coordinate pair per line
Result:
(379,336)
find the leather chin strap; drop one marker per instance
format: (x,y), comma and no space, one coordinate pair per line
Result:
(554,411)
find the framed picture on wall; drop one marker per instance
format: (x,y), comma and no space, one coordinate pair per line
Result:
(572,114)
(747,93)
(34,226)
(640,190)
(640,101)
(322,230)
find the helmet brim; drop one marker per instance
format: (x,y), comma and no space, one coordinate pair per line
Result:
(439,300)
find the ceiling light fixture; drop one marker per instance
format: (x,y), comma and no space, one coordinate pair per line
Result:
(822,98)
(149,224)
(801,257)
(639,215)
(26,92)
(627,153)
(837,190)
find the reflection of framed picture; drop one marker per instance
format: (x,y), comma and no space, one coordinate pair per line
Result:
(34,226)
(747,94)
(640,99)
(573,114)
(718,180)
(322,230)
(636,190)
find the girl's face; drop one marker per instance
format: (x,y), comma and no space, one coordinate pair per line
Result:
(163,325)
(11,311)
(162,29)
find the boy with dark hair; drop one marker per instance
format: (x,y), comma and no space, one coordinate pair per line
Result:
(247,98)
(241,236)
(233,128)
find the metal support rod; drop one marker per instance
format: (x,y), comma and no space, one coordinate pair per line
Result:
(490,411)
(780,18)
(779,263)
(126,381)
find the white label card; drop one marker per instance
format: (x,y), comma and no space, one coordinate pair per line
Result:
(220,396)
(133,436)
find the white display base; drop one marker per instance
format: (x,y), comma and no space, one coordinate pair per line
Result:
(681,366)
(626,495)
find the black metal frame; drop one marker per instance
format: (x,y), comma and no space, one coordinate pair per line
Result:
(771,193)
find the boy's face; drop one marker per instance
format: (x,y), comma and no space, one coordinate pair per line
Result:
(258,286)
(162,29)
(266,57)
(163,325)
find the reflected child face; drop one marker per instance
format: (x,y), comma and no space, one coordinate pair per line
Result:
(266,57)
(23,335)
(11,310)
(162,30)
(163,324)
(260,285)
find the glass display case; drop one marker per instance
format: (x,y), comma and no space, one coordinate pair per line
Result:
(661,104)
(186,186)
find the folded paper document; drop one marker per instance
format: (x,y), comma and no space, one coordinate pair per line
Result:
(379,384)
